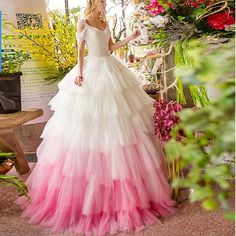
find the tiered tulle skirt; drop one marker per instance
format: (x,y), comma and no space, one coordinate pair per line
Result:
(100,169)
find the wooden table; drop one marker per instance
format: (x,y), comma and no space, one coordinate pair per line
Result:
(8,123)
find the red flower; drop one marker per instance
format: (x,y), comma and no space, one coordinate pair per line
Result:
(171,5)
(220,20)
(192,3)
(196,3)
(201,1)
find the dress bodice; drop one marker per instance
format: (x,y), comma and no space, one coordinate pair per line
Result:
(96,39)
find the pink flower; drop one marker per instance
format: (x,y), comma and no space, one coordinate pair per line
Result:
(165,118)
(154,8)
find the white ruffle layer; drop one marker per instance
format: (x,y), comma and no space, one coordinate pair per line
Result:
(110,109)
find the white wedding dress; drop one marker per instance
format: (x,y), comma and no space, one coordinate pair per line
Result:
(100,168)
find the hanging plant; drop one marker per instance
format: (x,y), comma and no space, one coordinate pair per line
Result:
(165,118)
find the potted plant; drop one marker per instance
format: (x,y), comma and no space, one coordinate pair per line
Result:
(6,161)
(6,164)
(10,89)
(55,43)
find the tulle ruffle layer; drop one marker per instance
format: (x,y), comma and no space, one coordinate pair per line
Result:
(96,194)
(109,110)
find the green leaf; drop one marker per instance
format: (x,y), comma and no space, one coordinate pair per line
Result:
(230,215)
(209,204)
(200,194)
(180,18)
(173,149)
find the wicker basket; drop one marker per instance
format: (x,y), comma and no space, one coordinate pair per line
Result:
(153,90)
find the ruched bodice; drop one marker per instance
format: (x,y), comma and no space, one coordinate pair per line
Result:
(96,39)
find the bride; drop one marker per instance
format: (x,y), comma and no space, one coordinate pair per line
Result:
(100,169)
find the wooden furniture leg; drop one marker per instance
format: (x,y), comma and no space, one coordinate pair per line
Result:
(21,164)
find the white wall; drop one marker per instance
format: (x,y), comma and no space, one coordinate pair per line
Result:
(35,92)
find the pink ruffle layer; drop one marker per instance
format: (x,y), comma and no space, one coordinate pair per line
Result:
(91,195)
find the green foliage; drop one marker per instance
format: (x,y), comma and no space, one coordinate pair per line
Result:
(185,58)
(12,181)
(12,61)
(203,65)
(196,15)
(160,38)
(6,155)
(75,11)
(55,43)
(208,131)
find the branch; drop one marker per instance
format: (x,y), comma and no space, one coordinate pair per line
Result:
(211,7)
(172,85)
(158,55)
(160,72)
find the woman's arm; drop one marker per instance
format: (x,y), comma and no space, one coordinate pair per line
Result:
(114,46)
(81,46)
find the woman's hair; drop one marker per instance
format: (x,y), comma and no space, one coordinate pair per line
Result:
(91,5)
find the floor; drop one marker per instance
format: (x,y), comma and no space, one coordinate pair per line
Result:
(190,220)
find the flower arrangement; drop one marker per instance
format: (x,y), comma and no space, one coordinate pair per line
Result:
(172,24)
(163,22)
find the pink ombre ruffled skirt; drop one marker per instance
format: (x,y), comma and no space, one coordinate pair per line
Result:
(100,169)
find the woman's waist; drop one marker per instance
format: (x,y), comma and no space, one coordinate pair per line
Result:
(101,54)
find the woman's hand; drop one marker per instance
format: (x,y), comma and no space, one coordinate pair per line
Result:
(135,34)
(79,79)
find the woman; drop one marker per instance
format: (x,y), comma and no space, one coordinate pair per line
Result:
(100,169)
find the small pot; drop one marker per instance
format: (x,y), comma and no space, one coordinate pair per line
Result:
(6,166)
(131,57)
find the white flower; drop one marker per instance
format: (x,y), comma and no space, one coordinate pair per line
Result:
(143,31)
(146,22)
(141,25)
(230,27)
(141,6)
(144,38)
(159,21)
